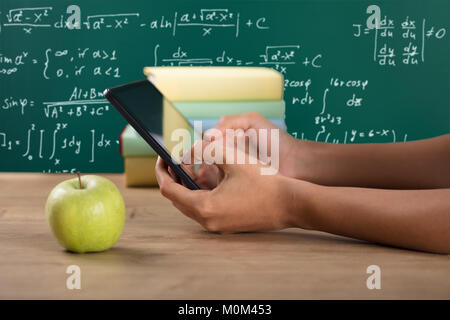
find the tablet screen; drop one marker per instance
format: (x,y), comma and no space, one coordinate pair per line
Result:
(158,117)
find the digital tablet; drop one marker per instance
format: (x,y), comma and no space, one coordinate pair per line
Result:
(154,118)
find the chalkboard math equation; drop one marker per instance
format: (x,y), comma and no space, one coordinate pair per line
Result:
(204,20)
(345,80)
(413,34)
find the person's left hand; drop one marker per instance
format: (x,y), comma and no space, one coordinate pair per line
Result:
(243,200)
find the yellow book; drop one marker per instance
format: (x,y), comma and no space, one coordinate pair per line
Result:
(140,171)
(177,132)
(217,83)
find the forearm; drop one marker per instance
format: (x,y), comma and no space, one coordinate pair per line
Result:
(415,219)
(411,165)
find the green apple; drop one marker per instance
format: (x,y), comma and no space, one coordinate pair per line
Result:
(86,214)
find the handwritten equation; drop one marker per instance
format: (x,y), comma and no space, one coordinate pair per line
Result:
(413,34)
(64,63)
(54,117)
(57,143)
(205,21)
(278,57)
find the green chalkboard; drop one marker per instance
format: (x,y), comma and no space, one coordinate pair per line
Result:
(344,82)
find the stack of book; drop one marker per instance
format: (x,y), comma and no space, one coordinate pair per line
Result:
(203,94)
(139,159)
(208,93)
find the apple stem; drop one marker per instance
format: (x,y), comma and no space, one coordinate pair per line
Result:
(79,179)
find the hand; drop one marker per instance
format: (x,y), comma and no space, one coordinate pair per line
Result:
(243,200)
(206,176)
(288,148)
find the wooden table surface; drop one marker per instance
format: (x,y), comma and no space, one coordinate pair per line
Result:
(164,255)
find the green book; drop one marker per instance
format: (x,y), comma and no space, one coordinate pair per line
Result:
(217,109)
(131,144)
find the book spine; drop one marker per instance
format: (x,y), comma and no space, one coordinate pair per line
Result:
(210,109)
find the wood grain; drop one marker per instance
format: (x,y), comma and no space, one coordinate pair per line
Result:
(164,255)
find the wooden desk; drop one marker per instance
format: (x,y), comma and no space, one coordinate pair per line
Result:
(164,255)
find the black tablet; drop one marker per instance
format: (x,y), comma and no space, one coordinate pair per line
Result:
(153,117)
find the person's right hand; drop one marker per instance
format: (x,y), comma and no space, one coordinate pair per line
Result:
(288,145)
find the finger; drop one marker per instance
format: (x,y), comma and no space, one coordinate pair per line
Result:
(246,127)
(190,170)
(197,154)
(213,151)
(176,192)
(208,176)
(227,158)
(193,157)
(174,175)
(243,121)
